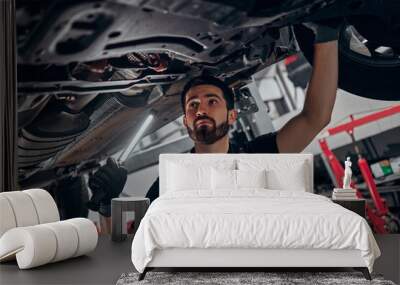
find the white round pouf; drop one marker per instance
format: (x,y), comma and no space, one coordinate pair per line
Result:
(31,232)
(7,218)
(45,206)
(67,240)
(23,208)
(33,246)
(87,235)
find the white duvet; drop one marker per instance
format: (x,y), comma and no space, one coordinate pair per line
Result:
(257,218)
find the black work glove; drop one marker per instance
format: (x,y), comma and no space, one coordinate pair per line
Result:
(107,183)
(325,30)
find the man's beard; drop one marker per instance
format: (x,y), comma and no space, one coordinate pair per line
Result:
(207,134)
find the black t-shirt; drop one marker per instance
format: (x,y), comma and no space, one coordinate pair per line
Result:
(262,144)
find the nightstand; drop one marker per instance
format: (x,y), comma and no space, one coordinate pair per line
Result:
(356,205)
(124,209)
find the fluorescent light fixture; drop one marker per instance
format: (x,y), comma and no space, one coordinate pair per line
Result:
(146,123)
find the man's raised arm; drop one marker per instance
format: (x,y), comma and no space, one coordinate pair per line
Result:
(320,97)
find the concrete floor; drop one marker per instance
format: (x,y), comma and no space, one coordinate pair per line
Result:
(102,266)
(389,262)
(106,264)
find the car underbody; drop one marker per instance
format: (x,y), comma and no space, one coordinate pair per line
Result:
(89,72)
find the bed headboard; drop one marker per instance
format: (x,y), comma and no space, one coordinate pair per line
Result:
(210,158)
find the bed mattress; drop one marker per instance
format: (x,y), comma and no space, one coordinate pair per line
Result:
(251,219)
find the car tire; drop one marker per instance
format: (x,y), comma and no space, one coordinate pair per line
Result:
(362,78)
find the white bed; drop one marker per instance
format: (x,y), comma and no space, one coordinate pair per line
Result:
(282,224)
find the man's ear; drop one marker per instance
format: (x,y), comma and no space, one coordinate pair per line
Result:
(232,116)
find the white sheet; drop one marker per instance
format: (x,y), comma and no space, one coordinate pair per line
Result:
(252,218)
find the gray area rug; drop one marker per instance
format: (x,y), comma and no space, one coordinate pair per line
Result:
(229,278)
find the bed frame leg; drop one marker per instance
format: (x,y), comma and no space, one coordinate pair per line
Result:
(143,274)
(364,271)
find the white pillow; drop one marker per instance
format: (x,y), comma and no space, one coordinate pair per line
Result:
(181,177)
(251,178)
(193,174)
(292,179)
(223,179)
(281,174)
